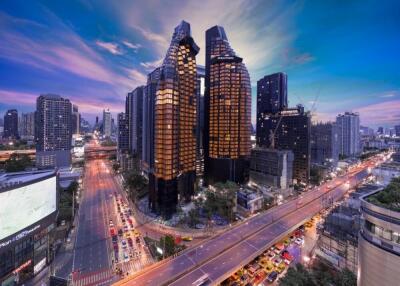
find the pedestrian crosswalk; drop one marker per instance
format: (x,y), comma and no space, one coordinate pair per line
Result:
(97,278)
(135,265)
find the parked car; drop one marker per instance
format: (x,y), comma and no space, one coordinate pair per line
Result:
(272,276)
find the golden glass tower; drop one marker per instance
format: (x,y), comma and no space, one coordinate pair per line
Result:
(175,124)
(227,111)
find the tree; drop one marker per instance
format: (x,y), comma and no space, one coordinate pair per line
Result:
(116,166)
(17,163)
(346,278)
(297,276)
(136,185)
(167,244)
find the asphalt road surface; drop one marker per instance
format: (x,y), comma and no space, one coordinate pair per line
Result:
(91,248)
(221,255)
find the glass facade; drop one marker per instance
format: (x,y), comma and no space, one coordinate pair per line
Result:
(227,110)
(175,123)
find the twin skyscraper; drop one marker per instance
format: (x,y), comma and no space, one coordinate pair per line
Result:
(227,118)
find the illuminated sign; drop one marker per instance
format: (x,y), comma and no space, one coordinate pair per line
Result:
(19,236)
(22,267)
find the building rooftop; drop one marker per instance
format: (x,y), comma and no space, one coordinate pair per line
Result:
(389,197)
(16,178)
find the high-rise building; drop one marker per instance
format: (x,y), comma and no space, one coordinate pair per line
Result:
(271,167)
(292,128)
(149,97)
(380,131)
(123,132)
(272,93)
(378,241)
(227,111)
(11,124)
(134,111)
(200,87)
(175,125)
(53,131)
(397,130)
(349,133)
(27,125)
(107,123)
(324,144)
(76,120)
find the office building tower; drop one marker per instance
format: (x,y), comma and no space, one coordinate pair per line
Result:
(227,111)
(271,167)
(397,130)
(53,131)
(378,241)
(175,124)
(107,123)
(123,132)
(288,129)
(349,133)
(134,111)
(11,124)
(324,144)
(380,131)
(272,93)
(76,120)
(149,97)
(28,125)
(200,87)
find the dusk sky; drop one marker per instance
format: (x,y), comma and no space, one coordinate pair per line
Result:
(345,55)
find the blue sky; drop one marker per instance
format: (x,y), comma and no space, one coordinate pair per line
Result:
(342,55)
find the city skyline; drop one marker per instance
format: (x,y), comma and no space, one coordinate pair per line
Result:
(94,54)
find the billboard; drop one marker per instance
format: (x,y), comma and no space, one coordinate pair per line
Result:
(26,205)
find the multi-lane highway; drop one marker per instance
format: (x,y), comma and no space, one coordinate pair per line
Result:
(95,256)
(221,255)
(92,252)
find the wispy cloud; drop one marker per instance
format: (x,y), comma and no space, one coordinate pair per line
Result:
(380,113)
(132,46)
(110,47)
(388,95)
(152,64)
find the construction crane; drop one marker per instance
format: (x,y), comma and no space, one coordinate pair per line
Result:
(272,134)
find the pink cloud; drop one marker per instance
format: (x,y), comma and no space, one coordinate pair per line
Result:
(387,112)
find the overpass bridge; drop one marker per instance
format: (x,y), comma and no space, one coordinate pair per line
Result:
(221,255)
(99,152)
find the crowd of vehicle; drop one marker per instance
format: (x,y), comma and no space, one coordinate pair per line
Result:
(126,240)
(271,264)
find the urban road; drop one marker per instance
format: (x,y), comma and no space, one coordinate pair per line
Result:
(223,254)
(93,249)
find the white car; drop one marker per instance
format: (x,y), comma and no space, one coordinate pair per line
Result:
(126,257)
(299,241)
(124,244)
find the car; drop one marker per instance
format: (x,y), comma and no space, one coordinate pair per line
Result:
(112,231)
(269,267)
(115,246)
(130,241)
(187,238)
(137,240)
(120,232)
(299,241)
(271,254)
(281,267)
(123,220)
(126,228)
(272,276)
(114,239)
(277,261)
(126,257)
(124,244)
